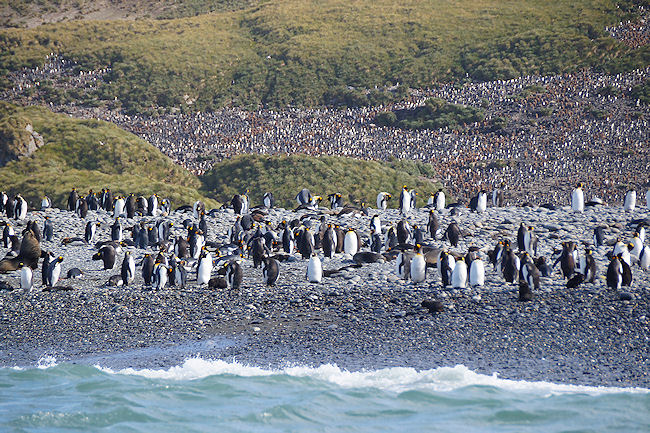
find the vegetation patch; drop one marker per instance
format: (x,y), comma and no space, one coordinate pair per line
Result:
(434,114)
(285,175)
(90,154)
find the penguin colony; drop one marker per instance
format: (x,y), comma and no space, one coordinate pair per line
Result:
(438,253)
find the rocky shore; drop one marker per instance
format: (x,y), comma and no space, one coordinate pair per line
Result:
(359,318)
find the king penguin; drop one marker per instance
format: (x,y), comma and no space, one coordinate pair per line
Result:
(630,201)
(161,275)
(418,266)
(54,271)
(26,277)
(578,199)
(404,201)
(269,201)
(382,200)
(128,268)
(476,272)
(351,242)
(615,274)
(234,275)
(459,274)
(48,229)
(204,270)
(270,271)
(107,255)
(440,200)
(314,269)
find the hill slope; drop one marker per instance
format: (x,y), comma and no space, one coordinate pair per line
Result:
(89,154)
(285,176)
(282,52)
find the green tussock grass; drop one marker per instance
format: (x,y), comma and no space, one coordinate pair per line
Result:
(302,52)
(284,176)
(90,154)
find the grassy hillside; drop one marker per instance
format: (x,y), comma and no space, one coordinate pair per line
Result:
(285,176)
(90,154)
(281,52)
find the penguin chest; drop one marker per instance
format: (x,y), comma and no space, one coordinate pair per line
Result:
(418,268)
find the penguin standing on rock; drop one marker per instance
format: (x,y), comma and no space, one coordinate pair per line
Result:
(117,231)
(234,274)
(271,271)
(26,277)
(453,233)
(476,272)
(82,208)
(418,268)
(7,233)
(73,198)
(433,225)
(382,200)
(91,229)
(46,203)
(204,271)
(21,208)
(48,257)
(314,269)
(599,236)
(118,207)
(404,234)
(497,196)
(615,274)
(161,275)
(351,242)
(147,269)
(630,201)
(440,200)
(404,201)
(128,269)
(269,200)
(54,271)
(446,265)
(578,199)
(459,274)
(48,229)
(336,200)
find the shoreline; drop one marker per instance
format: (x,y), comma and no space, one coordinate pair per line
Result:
(360,319)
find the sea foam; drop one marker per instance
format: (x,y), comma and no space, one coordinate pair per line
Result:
(394,379)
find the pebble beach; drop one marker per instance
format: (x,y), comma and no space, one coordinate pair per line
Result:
(359,318)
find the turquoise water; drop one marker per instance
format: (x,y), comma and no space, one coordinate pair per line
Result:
(203,395)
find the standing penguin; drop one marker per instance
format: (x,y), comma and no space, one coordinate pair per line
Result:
(626,273)
(270,271)
(117,231)
(375,242)
(130,205)
(578,199)
(433,225)
(45,203)
(497,195)
(107,255)
(476,272)
(418,266)
(314,269)
(351,242)
(615,274)
(204,271)
(288,240)
(446,265)
(567,259)
(630,201)
(414,198)
(198,208)
(440,200)
(180,274)
(305,243)
(48,229)
(234,275)
(403,265)
(453,233)
(269,200)
(459,274)
(21,207)
(26,277)
(237,204)
(10,207)
(644,258)
(91,229)
(73,198)
(160,275)
(404,201)
(521,235)
(530,241)
(118,207)
(375,224)
(82,208)
(588,266)
(599,236)
(336,200)
(479,203)
(54,271)
(128,269)
(511,265)
(304,197)
(153,205)
(147,269)
(382,200)
(7,233)
(48,257)
(328,243)
(404,234)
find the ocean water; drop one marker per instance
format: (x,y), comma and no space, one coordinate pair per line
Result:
(202,395)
